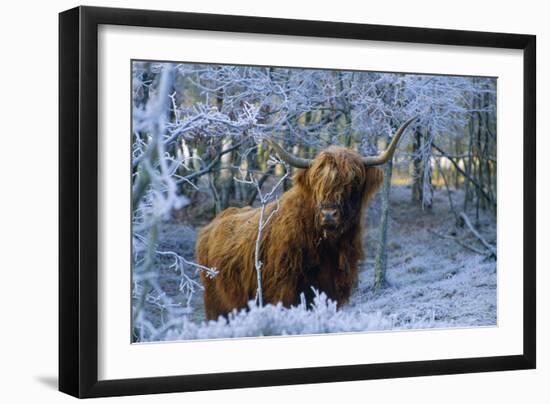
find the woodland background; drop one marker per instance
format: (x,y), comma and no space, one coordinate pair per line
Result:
(197,135)
(36,378)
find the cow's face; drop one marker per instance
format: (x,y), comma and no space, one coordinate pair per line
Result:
(336,182)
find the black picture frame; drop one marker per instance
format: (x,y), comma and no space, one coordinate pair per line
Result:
(78,201)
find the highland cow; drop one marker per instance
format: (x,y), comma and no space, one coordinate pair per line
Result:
(314,240)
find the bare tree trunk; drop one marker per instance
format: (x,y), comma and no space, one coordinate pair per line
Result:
(456,176)
(469,159)
(422,190)
(471,179)
(479,165)
(449,196)
(348,133)
(252,158)
(287,183)
(427,187)
(380,263)
(225,179)
(418,170)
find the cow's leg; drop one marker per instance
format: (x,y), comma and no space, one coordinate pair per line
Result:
(212,305)
(286,293)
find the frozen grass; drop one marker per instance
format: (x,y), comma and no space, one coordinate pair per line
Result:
(428,275)
(432,283)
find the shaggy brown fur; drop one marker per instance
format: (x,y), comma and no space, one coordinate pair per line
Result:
(297,251)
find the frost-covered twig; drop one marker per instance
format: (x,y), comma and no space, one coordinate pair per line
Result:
(492,250)
(210,272)
(456,240)
(208,168)
(264,200)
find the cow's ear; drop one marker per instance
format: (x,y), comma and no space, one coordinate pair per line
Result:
(373,180)
(300,178)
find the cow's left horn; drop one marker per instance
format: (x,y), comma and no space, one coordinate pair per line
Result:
(387,154)
(291,159)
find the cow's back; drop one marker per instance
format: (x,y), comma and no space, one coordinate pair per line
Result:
(223,226)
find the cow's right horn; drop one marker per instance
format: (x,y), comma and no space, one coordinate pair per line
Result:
(387,154)
(291,159)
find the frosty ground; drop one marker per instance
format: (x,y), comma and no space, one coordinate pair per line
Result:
(433,281)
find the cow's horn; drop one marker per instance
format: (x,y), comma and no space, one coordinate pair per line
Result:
(291,159)
(387,154)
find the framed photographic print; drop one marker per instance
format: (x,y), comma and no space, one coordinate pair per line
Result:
(251,201)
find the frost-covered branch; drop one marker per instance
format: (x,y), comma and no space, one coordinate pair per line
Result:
(265,199)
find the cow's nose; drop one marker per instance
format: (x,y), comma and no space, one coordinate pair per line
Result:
(330,215)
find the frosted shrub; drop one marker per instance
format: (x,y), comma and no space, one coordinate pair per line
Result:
(270,320)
